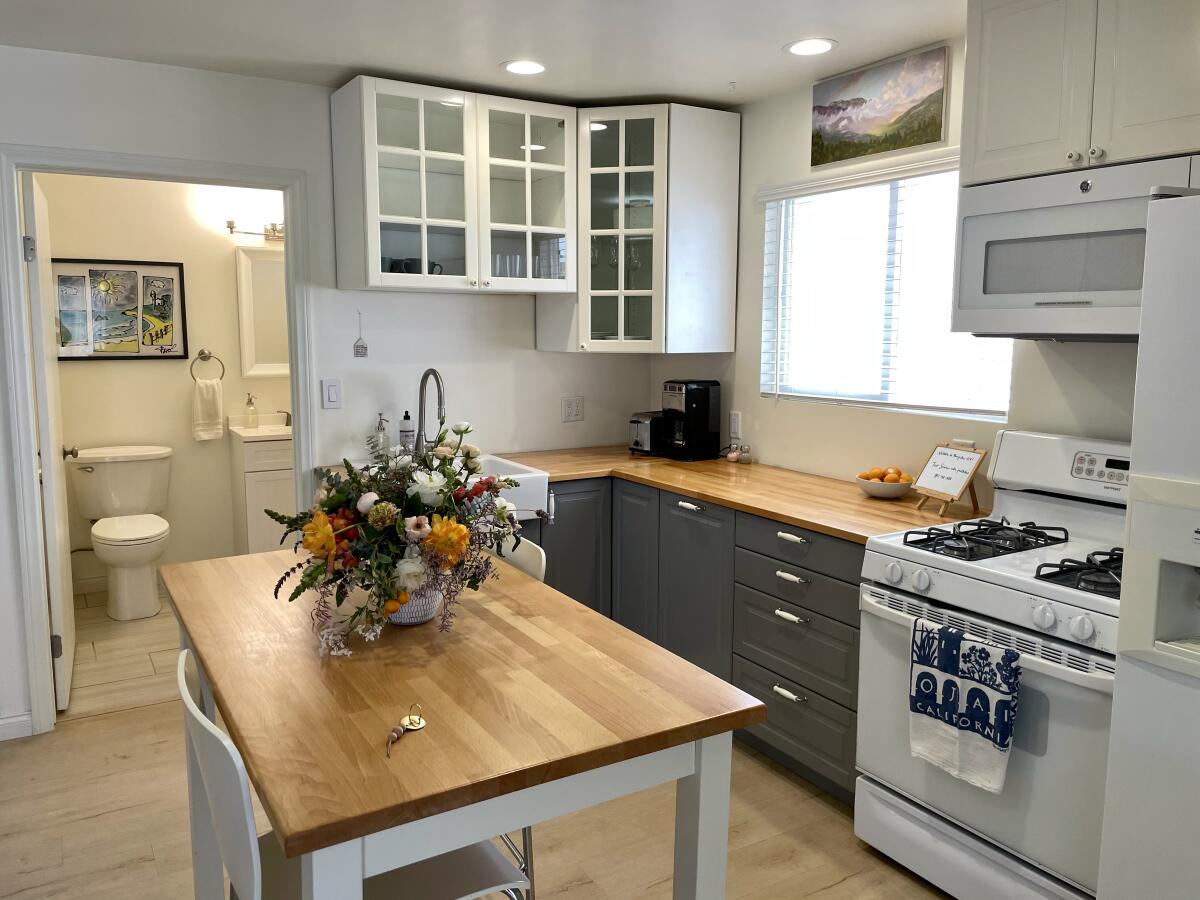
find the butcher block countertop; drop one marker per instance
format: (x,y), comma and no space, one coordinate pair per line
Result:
(527,688)
(826,505)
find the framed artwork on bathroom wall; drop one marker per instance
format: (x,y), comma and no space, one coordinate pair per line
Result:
(119,309)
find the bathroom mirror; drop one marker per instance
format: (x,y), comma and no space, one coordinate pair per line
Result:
(262,311)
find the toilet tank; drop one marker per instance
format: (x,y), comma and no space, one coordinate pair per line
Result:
(120,481)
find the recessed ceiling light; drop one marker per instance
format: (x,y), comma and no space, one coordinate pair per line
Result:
(598,126)
(533,147)
(810,46)
(524,67)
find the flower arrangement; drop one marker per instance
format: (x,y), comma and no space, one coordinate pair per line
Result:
(399,529)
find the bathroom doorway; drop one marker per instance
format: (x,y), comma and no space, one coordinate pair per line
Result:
(164,309)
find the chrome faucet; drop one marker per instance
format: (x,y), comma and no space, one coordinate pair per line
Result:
(419,447)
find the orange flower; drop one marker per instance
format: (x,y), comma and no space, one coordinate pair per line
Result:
(318,536)
(448,538)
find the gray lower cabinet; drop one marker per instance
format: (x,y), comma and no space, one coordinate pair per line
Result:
(579,544)
(635,543)
(695,581)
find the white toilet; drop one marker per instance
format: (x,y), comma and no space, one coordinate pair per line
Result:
(121,489)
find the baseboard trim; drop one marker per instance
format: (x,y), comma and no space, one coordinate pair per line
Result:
(95,585)
(16,726)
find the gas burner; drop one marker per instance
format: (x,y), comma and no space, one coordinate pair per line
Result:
(1099,574)
(985,538)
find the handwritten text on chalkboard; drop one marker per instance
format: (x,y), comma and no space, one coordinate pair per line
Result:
(949,471)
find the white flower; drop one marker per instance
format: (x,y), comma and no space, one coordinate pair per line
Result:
(403,462)
(503,508)
(470,451)
(416,528)
(366,501)
(429,486)
(410,573)
(322,493)
(443,452)
(461,427)
(472,465)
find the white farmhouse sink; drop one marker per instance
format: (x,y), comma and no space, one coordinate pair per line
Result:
(532,492)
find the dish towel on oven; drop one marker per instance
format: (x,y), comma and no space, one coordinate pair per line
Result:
(962,703)
(207,424)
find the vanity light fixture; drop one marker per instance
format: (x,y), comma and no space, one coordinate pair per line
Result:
(813,46)
(272,231)
(523,67)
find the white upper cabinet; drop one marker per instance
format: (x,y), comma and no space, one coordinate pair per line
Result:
(437,189)
(658,214)
(1055,85)
(1027,104)
(1147,95)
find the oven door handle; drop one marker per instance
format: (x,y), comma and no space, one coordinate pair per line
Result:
(1096,681)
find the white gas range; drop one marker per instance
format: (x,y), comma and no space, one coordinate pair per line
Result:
(1041,574)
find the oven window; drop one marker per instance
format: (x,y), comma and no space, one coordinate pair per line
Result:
(1066,263)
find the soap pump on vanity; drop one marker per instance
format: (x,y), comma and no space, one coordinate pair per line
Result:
(251,412)
(408,432)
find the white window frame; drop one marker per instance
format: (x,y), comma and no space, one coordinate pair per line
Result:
(942,162)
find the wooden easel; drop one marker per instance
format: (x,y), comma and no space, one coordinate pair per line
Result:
(963,479)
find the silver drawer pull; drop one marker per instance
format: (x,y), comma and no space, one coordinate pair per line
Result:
(788,617)
(683,504)
(788,695)
(791,538)
(788,576)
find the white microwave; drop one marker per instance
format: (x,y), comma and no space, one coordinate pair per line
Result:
(1058,256)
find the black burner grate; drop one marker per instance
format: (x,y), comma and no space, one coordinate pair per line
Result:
(985,538)
(1100,573)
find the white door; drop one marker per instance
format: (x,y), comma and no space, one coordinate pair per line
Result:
(267,490)
(43,305)
(1027,102)
(1147,95)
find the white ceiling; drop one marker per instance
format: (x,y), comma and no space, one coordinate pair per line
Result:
(594,50)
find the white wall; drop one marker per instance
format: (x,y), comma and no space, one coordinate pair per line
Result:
(1073,388)
(482,344)
(114,402)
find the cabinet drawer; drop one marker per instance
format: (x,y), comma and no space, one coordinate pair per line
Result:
(818,552)
(812,730)
(809,589)
(268,456)
(816,650)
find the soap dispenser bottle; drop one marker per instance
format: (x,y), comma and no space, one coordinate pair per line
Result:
(377,440)
(408,432)
(251,412)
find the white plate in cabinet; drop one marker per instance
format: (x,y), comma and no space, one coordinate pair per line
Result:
(657,237)
(437,189)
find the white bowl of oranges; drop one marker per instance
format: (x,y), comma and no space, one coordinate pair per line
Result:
(886,484)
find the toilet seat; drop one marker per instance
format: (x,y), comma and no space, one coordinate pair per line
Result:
(120,531)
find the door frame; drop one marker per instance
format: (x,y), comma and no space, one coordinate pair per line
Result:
(17,351)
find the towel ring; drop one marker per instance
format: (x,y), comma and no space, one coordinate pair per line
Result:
(205,356)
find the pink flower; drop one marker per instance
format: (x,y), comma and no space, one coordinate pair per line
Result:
(416,528)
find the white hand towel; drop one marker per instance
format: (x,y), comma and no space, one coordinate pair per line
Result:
(962,704)
(208,421)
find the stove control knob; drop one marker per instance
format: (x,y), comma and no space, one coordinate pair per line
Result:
(1044,617)
(922,580)
(1082,628)
(893,573)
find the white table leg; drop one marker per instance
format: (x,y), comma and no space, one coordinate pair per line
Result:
(333,873)
(702,822)
(208,872)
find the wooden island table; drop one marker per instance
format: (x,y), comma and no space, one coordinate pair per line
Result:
(536,707)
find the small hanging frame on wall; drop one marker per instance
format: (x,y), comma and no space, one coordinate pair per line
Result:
(949,473)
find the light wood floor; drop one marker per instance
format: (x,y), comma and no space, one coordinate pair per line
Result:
(98,807)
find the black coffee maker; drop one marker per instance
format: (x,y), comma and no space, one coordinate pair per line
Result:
(690,424)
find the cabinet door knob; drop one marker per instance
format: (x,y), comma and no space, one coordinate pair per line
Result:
(1074,156)
(788,617)
(788,695)
(72,452)
(788,576)
(1096,152)
(791,538)
(692,507)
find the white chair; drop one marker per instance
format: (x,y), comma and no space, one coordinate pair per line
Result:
(257,868)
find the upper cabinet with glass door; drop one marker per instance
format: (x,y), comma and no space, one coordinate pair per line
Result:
(445,190)
(658,222)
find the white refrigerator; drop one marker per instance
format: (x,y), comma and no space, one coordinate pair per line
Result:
(1151,832)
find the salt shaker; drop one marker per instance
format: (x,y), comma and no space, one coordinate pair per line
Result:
(744,455)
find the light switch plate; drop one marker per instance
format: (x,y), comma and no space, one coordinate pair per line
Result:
(572,409)
(735,424)
(331,393)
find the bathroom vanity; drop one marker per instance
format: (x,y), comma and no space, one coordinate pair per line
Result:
(262,472)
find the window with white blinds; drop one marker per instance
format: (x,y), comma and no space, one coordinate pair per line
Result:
(857,289)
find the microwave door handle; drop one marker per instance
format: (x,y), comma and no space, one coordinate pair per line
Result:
(1167,192)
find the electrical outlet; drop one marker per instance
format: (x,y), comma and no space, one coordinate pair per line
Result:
(572,409)
(735,424)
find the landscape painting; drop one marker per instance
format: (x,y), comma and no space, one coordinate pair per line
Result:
(120,309)
(894,105)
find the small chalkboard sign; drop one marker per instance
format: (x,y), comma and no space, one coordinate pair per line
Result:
(949,473)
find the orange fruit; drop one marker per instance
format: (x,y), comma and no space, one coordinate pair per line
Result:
(893,470)
(876,474)
(390,607)
(906,479)
(880,480)
(891,478)
(864,476)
